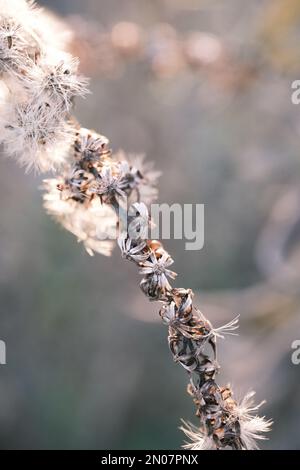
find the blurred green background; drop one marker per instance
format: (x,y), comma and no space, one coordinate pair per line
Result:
(88,364)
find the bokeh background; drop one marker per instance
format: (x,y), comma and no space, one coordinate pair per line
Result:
(88,364)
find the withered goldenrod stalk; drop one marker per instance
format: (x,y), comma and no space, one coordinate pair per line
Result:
(39,82)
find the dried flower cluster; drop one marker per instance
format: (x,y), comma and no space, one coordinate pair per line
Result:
(161,50)
(224,423)
(84,196)
(39,86)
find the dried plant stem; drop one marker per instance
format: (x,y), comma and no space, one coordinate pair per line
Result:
(221,422)
(40,85)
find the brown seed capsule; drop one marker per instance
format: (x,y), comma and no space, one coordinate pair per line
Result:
(154,245)
(226,393)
